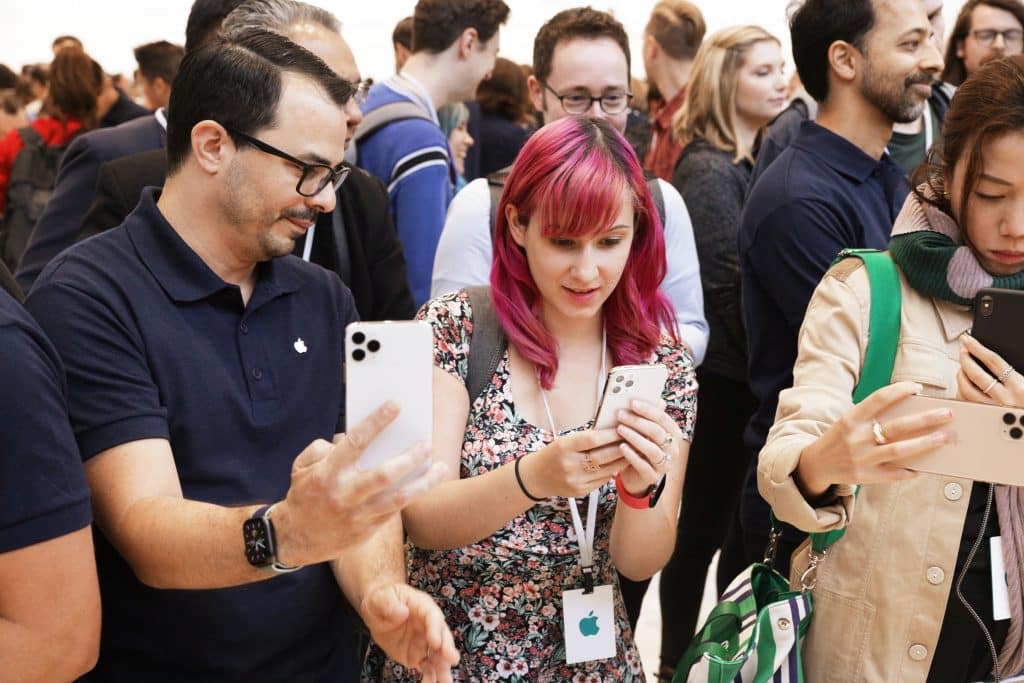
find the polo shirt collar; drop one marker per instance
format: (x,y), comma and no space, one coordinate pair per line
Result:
(838,152)
(182,274)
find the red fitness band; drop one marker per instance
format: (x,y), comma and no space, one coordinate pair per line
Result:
(640,503)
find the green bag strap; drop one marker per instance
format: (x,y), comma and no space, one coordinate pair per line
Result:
(723,623)
(883,336)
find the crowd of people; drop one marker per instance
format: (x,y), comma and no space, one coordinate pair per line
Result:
(181,252)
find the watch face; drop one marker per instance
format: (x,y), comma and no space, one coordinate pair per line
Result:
(257,545)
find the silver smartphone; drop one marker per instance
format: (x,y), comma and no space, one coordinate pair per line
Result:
(986,443)
(626,383)
(390,361)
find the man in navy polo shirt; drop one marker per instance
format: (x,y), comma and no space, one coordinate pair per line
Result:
(49,598)
(868,64)
(202,358)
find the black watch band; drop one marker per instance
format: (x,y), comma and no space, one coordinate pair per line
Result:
(656,490)
(260,542)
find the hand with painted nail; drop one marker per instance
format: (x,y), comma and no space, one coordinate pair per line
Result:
(862,449)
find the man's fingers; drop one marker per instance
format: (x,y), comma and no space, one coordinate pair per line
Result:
(348,446)
(391,499)
(312,454)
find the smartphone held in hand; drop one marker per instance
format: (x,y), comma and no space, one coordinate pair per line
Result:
(986,442)
(390,361)
(625,384)
(997,323)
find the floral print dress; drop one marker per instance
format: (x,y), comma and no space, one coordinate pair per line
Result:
(502,596)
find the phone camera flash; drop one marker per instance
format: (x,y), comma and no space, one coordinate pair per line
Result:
(987,305)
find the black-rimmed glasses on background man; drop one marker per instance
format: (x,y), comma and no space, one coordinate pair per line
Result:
(362,90)
(314,178)
(580,102)
(1013,38)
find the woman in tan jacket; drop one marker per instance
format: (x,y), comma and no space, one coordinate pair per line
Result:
(906,594)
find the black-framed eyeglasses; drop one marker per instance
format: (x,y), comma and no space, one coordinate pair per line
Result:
(362,90)
(580,102)
(314,178)
(1012,38)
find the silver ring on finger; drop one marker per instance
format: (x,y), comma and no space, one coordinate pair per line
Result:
(665,457)
(1005,374)
(876,429)
(989,387)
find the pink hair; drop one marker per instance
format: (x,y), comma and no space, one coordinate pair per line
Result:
(573,173)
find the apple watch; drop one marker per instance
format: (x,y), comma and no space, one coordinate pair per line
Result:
(646,500)
(260,546)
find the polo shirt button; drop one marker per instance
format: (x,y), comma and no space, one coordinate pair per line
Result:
(918,652)
(257,374)
(244,328)
(935,575)
(953,491)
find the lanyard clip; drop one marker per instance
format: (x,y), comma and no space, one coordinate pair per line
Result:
(588,580)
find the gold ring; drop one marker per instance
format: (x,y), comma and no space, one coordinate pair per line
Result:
(588,463)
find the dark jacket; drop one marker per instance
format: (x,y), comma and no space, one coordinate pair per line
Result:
(61,221)
(714,189)
(124,110)
(376,266)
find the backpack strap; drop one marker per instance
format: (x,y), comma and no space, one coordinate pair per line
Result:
(496,185)
(883,336)
(657,196)
(30,137)
(376,119)
(487,341)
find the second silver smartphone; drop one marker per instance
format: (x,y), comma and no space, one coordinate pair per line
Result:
(626,383)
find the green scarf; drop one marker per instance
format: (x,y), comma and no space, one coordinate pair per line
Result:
(929,249)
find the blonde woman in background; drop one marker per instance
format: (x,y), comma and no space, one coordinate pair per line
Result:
(736,87)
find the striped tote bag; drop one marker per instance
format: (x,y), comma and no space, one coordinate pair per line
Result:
(753,635)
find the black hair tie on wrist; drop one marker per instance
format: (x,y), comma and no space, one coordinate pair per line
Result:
(522,486)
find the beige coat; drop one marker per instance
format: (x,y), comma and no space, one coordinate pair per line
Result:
(882,590)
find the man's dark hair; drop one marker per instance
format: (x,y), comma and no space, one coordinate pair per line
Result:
(579,22)
(402,34)
(436,24)
(159,60)
(237,82)
(10,102)
(204,21)
(60,39)
(955,72)
(817,24)
(39,73)
(678,27)
(8,79)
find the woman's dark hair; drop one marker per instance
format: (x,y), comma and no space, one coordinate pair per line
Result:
(505,93)
(955,71)
(990,103)
(75,83)
(815,25)
(237,82)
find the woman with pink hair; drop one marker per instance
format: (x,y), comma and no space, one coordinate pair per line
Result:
(502,545)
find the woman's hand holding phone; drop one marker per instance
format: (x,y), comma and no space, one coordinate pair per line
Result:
(861,449)
(984,377)
(651,444)
(573,465)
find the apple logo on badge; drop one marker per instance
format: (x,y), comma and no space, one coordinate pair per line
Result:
(300,346)
(588,625)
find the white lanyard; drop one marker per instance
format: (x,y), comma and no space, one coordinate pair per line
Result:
(584,534)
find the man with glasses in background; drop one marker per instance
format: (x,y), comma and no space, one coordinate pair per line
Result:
(984,30)
(581,65)
(581,68)
(236,530)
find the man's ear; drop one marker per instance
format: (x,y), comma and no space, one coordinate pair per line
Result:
(844,60)
(162,89)
(468,42)
(515,228)
(536,93)
(650,48)
(212,147)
